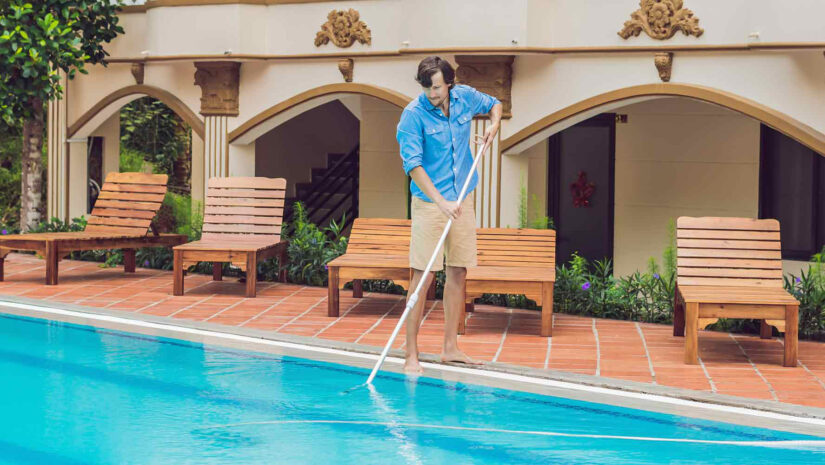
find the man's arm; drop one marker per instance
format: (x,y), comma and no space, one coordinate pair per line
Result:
(495,119)
(423,181)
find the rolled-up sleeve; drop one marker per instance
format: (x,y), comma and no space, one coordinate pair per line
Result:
(482,103)
(410,141)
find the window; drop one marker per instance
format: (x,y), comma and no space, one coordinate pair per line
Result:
(791,189)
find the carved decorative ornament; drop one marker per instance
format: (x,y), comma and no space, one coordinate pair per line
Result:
(346,66)
(492,75)
(582,190)
(343,28)
(661,19)
(219,83)
(138,70)
(664,64)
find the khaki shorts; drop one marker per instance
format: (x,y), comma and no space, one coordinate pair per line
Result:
(427,226)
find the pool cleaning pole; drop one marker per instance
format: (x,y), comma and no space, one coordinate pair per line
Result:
(414,297)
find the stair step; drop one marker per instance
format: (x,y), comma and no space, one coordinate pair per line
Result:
(333,158)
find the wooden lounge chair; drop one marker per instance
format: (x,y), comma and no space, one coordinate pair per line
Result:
(515,261)
(121,219)
(378,248)
(731,268)
(241,225)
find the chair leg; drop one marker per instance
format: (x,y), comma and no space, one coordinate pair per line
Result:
(678,315)
(2,262)
(357,289)
(765,330)
(692,333)
(332,292)
(282,265)
(177,272)
(52,260)
(791,337)
(251,273)
(129,260)
(547,309)
(217,271)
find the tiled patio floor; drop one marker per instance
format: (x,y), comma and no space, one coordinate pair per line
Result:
(730,364)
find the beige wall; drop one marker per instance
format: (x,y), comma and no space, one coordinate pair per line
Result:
(292,149)
(78,163)
(382,184)
(537,181)
(110,132)
(678,157)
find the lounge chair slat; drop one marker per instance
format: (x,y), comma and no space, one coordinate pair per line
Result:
(241,228)
(246,193)
(748,224)
(248,183)
(252,211)
(727,234)
(136,188)
(126,205)
(137,178)
(241,219)
(730,253)
(751,273)
(729,263)
(245,202)
(110,195)
(727,244)
(114,212)
(114,221)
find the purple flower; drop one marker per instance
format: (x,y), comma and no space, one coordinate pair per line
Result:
(5,232)
(655,275)
(799,280)
(326,267)
(586,286)
(146,264)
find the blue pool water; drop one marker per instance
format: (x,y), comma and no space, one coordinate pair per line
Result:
(81,395)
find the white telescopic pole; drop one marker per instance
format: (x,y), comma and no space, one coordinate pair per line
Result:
(414,297)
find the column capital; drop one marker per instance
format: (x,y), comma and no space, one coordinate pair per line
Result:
(492,75)
(220,86)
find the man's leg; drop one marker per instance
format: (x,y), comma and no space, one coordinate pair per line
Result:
(411,364)
(453,303)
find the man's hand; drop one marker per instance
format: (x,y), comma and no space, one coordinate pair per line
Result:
(489,134)
(450,209)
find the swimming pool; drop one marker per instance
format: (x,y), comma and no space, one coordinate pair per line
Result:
(76,394)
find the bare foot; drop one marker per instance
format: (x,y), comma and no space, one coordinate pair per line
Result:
(458,356)
(412,366)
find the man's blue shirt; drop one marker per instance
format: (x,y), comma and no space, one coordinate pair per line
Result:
(439,144)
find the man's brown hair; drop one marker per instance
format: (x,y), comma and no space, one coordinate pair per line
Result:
(431,65)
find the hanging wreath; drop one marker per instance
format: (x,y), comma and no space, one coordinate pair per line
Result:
(582,190)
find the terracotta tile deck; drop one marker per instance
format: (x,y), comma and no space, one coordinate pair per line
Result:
(731,364)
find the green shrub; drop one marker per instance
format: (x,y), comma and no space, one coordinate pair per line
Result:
(132,160)
(310,249)
(809,290)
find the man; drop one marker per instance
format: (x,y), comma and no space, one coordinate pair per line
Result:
(434,139)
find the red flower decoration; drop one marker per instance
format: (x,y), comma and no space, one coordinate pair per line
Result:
(582,190)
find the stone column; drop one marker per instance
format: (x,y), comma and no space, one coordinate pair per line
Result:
(219,83)
(491,75)
(57,153)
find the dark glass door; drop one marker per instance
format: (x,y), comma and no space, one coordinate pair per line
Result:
(580,188)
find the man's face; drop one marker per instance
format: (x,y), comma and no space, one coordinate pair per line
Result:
(439,91)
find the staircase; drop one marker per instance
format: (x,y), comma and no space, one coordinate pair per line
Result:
(331,193)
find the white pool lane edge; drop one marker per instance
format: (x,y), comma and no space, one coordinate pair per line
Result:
(508,377)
